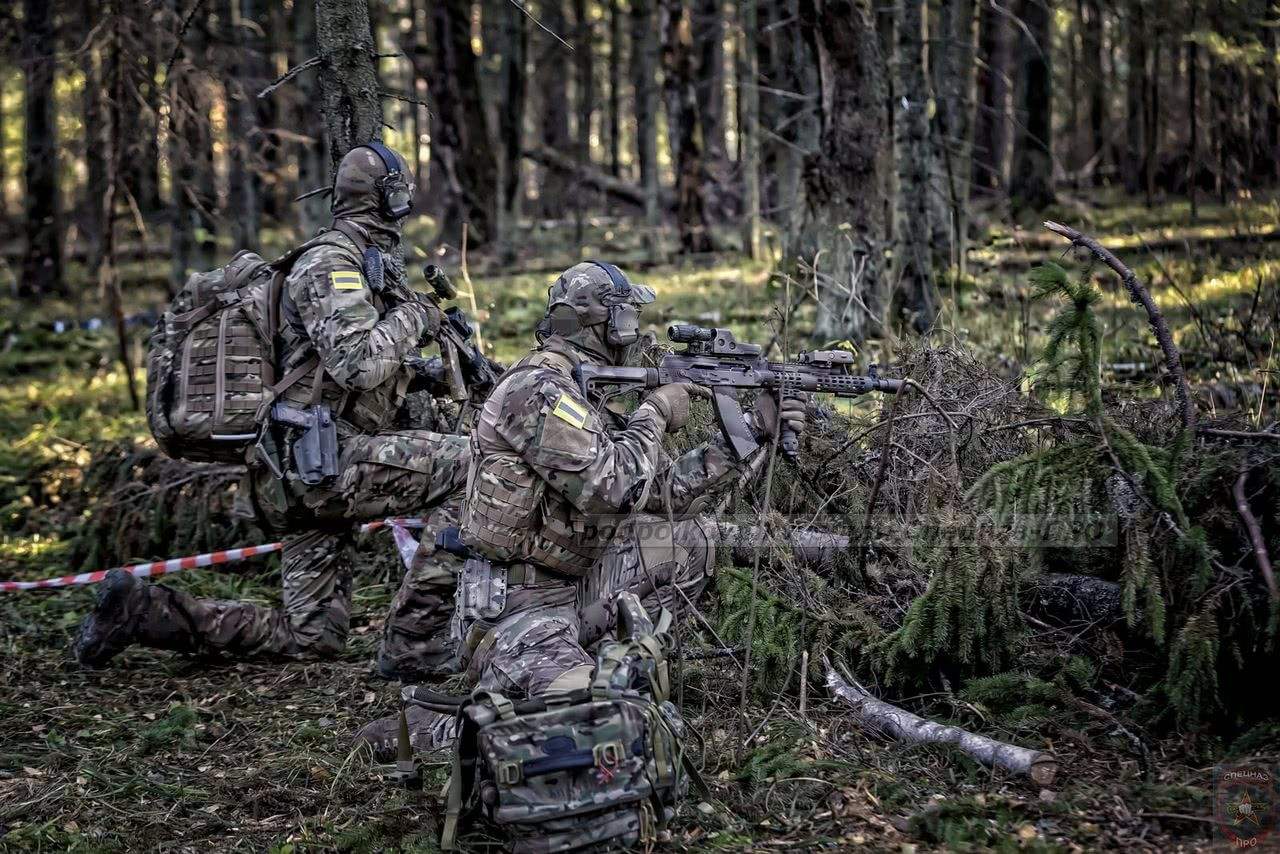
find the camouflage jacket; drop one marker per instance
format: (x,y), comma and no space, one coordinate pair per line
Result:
(361,338)
(550,483)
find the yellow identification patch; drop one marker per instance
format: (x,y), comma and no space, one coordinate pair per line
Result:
(568,409)
(347,280)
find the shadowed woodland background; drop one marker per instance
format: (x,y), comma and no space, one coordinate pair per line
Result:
(831,172)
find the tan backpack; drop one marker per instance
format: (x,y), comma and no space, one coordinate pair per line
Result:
(211,359)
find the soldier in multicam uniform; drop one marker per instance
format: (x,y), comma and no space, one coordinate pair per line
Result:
(349,343)
(569,507)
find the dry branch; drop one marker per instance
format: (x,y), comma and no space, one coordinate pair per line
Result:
(1140,295)
(913,729)
(590,176)
(1260,554)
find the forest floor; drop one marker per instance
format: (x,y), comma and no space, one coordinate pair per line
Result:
(164,752)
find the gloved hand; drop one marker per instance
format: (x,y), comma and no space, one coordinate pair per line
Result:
(431,319)
(764,415)
(672,402)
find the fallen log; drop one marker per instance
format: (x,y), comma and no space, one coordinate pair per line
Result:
(913,729)
(1067,597)
(592,177)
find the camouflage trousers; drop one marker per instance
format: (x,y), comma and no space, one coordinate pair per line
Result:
(546,629)
(387,474)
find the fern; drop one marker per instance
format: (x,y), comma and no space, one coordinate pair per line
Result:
(1191,681)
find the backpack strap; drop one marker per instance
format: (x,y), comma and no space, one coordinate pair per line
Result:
(282,267)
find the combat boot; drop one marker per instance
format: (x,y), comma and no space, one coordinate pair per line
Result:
(123,602)
(428,731)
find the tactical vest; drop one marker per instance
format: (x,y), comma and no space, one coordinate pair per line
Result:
(510,515)
(369,410)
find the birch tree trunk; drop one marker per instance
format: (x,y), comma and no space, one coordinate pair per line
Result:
(913,729)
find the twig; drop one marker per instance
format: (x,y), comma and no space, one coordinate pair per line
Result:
(290,74)
(1260,554)
(541,25)
(1139,294)
(913,729)
(1239,434)
(875,485)
(182,35)
(471,290)
(768,497)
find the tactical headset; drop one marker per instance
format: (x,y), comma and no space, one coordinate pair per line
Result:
(394,189)
(623,321)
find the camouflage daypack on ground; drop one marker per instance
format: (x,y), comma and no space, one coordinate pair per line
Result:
(595,768)
(211,359)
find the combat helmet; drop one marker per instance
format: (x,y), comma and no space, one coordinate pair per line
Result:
(373,179)
(595,306)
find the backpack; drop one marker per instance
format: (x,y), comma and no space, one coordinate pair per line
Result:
(595,768)
(211,359)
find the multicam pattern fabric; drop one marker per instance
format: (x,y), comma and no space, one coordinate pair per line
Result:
(529,648)
(552,488)
(416,642)
(362,338)
(387,475)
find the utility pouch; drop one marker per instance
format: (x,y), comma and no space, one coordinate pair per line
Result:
(599,768)
(482,593)
(315,445)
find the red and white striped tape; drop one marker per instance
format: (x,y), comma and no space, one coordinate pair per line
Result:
(177,564)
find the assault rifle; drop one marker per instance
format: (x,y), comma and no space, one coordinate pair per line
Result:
(463,363)
(715,359)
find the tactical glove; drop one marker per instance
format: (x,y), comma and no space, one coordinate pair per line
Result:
(431,319)
(672,401)
(764,415)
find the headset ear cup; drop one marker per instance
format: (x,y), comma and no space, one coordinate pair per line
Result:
(624,325)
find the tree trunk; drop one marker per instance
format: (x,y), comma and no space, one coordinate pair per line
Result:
(551,79)
(1093,61)
(348,76)
(708,35)
(1193,114)
(644,77)
(460,136)
(193,199)
(843,209)
(691,206)
(309,151)
(749,127)
(1132,170)
(991,123)
(1031,182)
(42,261)
(914,303)
(953,66)
(243,198)
(585,83)
(95,137)
(615,87)
(514,45)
